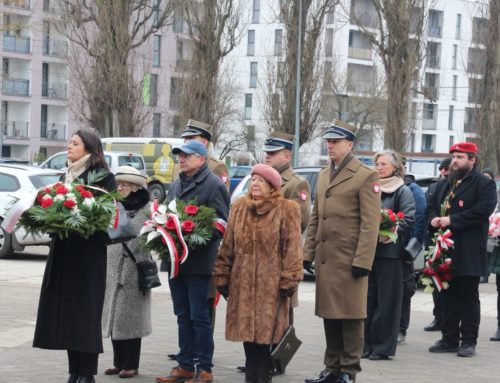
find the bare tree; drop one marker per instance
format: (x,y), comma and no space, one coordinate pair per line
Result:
(106,36)
(279,104)
(397,36)
(206,91)
(489,96)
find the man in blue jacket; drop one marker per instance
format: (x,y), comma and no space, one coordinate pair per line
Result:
(190,288)
(463,203)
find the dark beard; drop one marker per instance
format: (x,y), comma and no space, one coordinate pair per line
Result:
(455,175)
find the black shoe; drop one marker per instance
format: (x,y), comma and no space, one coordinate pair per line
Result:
(277,371)
(483,279)
(401,337)
(86,379)
(344,378)
(433,326)
(325,376)
(365,355)
(172,356)
(241,368)
(72,378)
(466,350)
(441,346)
(376,356)
(496,337)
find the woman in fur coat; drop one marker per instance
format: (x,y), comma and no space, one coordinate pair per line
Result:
(127,310)
(260,264)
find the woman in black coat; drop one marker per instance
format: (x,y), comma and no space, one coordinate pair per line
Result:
(385,282)
(72,295)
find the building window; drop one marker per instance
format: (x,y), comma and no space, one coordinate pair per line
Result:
(256,11)
(470,120)
(281,74)
(278,42)
(454,57)
(429,111)
(450,117)
(253,75)
(428,142)
(156,124)
(178,23)
(330,17)
(433,55)
(454,88)
(176,125)
(434,23)
(250,138)
(179,52)
(156,50)
(329,42)
(480,30)
(153,90)
(175,92)
(248,106)
(251,43)
(458,27)
(451,141)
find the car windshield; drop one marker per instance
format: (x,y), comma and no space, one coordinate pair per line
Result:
(239,171)
(41,180)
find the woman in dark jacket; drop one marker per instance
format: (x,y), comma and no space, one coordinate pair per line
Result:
(127,310)
(385,283)
(72,295)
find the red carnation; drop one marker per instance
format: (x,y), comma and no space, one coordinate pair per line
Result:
(46,202)
(170,224)
(400,215)
(69,203)
(62,190)
(86,194)
(392,216)
(188,226)
(191,209)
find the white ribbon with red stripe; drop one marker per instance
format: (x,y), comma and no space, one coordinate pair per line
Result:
(443,242)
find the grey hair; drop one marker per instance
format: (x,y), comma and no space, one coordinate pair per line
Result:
(395,159)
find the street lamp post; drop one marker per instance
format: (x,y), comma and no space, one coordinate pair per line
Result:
(297,90)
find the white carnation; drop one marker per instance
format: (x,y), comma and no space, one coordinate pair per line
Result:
(59,198)
(89,201)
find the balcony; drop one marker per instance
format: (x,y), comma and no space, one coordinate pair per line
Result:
(19,4)
(54,90)
(55,48)
(53,131)
(429,124)
(52,6)
(15,129)
(16,44)
(16,87)
(431,92)
(360,53)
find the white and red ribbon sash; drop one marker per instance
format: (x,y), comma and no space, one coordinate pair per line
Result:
(220,225)
(443,242)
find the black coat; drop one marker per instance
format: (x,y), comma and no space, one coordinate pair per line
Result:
(475,199)
(72,295)
(207,189)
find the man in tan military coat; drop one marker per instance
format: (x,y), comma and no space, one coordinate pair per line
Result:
(341,239)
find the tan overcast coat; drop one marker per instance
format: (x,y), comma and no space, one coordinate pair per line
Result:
(343,232)
(260,253)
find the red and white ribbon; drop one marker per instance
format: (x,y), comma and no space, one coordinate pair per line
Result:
(443,242)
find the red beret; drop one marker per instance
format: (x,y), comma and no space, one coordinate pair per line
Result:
(272,177)
(464,147)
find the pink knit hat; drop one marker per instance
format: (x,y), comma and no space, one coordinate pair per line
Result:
(269,174)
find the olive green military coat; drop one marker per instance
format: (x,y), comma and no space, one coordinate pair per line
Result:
(342,233)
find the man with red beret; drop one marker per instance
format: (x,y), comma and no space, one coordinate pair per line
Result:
(463,203)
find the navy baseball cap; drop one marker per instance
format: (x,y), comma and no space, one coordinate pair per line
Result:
(340,130)
(191,147)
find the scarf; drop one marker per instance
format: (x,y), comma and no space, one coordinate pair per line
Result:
(76,168)
(391,184)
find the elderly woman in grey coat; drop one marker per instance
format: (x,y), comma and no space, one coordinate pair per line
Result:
(385,282)
(127,310)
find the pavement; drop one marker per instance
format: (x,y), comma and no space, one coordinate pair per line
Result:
(20,280)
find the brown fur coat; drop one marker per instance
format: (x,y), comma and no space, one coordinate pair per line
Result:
(261,252)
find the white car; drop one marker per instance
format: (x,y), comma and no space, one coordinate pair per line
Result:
(20,181)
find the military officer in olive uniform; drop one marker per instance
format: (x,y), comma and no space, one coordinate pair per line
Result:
(341,239)
(199,131)
(278,154)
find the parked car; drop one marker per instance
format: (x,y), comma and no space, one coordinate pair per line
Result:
(10,160)
(17,182)
(236,174)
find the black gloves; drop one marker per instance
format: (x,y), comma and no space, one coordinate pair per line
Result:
(287,293)
(358,272)
(224,291)
(308,266)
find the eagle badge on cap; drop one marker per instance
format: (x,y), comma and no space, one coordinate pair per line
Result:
(303,196)
(376,187)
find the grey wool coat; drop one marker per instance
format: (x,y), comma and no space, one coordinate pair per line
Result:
(127,311)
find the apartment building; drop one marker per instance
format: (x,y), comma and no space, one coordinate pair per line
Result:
(442,111)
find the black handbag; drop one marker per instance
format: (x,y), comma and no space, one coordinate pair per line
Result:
(412,249)
(124,231)
(283,352)
(147,272)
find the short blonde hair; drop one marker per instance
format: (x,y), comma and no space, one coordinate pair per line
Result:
(395,159)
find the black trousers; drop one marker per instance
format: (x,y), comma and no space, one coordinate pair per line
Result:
(385,296)
(82,363)
(461,311)
(126,353)
(437,311)
(258,363)
(409,289)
